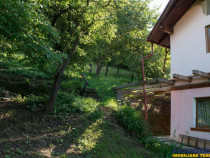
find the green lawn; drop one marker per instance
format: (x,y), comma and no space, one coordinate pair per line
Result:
(113,72)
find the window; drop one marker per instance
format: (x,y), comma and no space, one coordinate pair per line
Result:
(208,38)
(203,112)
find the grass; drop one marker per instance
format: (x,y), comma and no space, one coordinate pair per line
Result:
(113,71)
(105,140)
(33,134)
(128,117)
(103,84)
(78,127)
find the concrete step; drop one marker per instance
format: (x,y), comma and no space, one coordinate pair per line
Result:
(91,93)
(168,141)
(194,142)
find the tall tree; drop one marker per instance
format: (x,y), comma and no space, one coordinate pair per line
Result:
(73,19)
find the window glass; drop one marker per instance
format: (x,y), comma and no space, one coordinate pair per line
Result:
(203,112)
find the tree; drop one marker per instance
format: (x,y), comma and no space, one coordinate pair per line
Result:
(73,19)
(25,31)
(133,23)
(48,33)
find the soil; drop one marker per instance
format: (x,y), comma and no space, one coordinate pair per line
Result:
(27,134)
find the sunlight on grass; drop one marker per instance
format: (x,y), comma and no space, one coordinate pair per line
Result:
(86,105)
(111,103)
(103,85)
(89,138)
(47,152)
(8,114)
(112,71)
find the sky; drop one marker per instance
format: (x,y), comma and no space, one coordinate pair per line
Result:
(159,3)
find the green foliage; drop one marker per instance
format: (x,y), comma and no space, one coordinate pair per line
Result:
(31,101)
(68,102)
(132,121)
(87,105)
(24,30)
(155,146)
(64,103)
(97,114)
(103,85)
(71,85)
(154,65)
(40,34)
(15,68)
(35,102)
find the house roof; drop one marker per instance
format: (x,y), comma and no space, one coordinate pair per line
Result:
(173,12)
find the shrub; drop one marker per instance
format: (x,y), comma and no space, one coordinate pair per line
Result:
(64,103)
(87,105)
(74,85)
(131,120)
(97,114)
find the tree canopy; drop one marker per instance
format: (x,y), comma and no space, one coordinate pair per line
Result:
(52,34)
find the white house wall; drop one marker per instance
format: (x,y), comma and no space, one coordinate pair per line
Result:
(188,43)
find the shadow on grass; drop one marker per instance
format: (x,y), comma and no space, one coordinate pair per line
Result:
(27,134)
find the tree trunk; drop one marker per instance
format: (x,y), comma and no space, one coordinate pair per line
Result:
(98,70)
(90,69)
(118,69)
(132,76)
(107,69)
(164,64)
(58,78)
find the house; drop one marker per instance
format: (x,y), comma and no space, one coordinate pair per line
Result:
(184,28)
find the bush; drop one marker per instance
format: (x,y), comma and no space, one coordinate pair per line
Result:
(131,120)
(162,149)
(64,103)
(73,86)
(97,114)
(68,102)
(87,105)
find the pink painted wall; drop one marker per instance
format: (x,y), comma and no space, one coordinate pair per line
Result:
(183,112)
